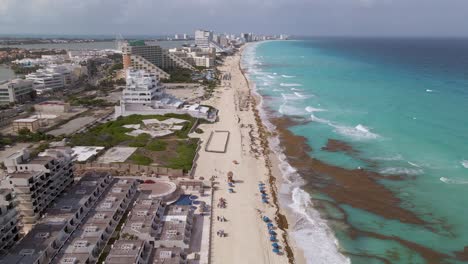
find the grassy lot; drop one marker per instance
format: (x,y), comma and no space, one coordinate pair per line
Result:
(113,133)
(174,151)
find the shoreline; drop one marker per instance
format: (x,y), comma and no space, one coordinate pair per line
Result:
(248,239)
(358,188)
(284,187)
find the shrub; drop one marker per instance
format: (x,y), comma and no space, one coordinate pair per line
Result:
(141,159)
(157,145)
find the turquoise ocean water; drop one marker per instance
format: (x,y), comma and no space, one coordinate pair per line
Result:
(402,103)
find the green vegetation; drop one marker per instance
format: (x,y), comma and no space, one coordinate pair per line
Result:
(199,131)
(24,135)
(88,101)
(113,133)
(157,145)
(41,148)
(140,141)
(5,140)
(141,159)
(116,67)
(185,153)
(179,75)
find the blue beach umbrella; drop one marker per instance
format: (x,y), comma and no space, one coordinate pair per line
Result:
(270,225)
(276,250)
(271,232)
(266,219)
(275,245)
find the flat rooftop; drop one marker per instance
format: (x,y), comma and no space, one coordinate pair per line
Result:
(168,256)
(125,251)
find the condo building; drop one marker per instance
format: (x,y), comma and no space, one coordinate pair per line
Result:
(87,242)
(176,228)
(52,78)
(142,87)
(144,220)
(8,220)
(203,38)
(37,181)
(150,57)
(126,251)
(42,244)
(203,57)
(16,91)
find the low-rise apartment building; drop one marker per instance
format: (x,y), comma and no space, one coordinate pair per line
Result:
(176,229)
(88,241)
(42,244)
(126,251)
(144,220)
(37,181)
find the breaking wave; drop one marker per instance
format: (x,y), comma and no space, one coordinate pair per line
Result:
(290,84)
(464,163)
(287,76)
(453,181)
(401,171)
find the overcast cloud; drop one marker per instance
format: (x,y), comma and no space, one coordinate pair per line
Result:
(305,17)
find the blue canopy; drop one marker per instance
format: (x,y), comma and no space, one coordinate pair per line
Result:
(266,219)
(275,245)
(271,232)
(276,250)
(270,225)
(272,239)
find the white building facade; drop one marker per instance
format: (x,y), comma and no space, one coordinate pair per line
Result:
(15,91)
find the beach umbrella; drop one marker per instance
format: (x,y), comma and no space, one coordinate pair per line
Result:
(269,225)
(273,238)
(276,250)
(266,219)
(272,232)
(265,200)
(275,245)
(264,195)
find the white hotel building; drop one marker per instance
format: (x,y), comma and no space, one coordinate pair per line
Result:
(52,78)
(142,88)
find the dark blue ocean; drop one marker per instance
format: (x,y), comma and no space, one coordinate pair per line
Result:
(402,104)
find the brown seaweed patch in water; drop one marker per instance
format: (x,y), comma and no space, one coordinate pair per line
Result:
(462,254)
(431,256)
(334,145)
(357,188)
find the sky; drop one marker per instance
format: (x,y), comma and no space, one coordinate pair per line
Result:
(294,17)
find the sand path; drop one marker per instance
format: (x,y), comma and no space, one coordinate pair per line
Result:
(247,239)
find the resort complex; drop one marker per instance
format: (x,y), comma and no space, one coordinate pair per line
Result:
(136,155)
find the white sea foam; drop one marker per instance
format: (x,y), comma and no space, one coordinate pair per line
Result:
(296,89)
(414,164)
(275,73)
(311,109)
(290,110)
(464,163)
(429,90)
(291,84)
(270,76)
(391,158)
(453,181)
(312,232)
(287,76)
(401,171)
(359,132)
(294,96)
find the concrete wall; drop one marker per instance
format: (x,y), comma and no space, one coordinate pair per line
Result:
(129,168)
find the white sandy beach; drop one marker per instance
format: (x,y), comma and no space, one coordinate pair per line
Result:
(247,239)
